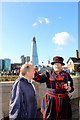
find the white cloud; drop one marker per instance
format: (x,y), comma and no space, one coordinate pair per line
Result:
(35,24)
(62,38)
(46,20)
(41,20)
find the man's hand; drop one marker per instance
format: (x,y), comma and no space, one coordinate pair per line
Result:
(68,88)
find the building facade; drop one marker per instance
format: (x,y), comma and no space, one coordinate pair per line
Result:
(24,59)
(1,64)
(5,64)
(27,59)
(73,64)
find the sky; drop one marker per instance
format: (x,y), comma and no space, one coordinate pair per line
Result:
(54,25)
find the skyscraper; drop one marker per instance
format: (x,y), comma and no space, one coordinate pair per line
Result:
(34,55)
(7,64)
(22,58)
(27,59)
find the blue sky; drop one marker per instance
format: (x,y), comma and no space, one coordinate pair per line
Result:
(54,24)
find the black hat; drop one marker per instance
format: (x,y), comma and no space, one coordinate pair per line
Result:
(57,59)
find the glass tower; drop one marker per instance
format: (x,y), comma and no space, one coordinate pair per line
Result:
(34,55)
(7,64)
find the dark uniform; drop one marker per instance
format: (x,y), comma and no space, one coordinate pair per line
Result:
(56,102)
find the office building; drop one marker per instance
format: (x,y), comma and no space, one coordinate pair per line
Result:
(7,64)
(22,59)
(27,59)
(1,64)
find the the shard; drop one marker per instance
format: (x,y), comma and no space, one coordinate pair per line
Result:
(34,55)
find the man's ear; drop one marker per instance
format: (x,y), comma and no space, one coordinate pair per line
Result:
(26,73)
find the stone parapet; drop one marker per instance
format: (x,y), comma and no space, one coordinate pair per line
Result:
(76,84)
(5,89)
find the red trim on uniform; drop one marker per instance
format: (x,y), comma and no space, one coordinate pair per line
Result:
(54,94)
(60,71)
(56,61)
(50,80)
(45,108)
(41,107)
(61,106)
(36,76)
(37,79)
(59,77)
(58,107)
(59,98)
(41,111)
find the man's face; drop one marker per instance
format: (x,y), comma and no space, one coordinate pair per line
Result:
(57,66)
(32,71)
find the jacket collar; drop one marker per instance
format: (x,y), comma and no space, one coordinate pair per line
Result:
(25,78)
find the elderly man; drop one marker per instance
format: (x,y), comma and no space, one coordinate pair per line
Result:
(23,105)
(56,102)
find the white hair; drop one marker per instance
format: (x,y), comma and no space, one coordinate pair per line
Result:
(25,68)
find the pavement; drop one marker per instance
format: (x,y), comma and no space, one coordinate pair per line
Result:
(75,104)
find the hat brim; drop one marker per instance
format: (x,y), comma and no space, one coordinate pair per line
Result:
(57,62)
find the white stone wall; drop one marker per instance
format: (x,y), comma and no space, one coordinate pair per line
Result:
(76,84)
(5,89)
(40,91)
